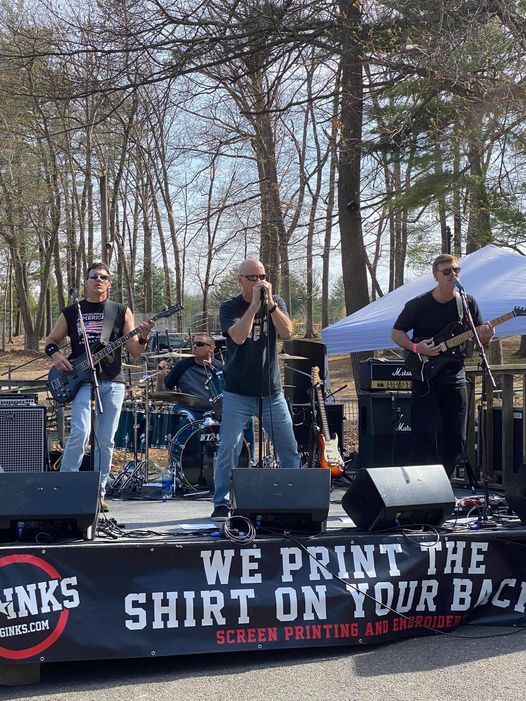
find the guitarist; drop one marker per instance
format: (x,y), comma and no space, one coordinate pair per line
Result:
(111,380)
(443,397)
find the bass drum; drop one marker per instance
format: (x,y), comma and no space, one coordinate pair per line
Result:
(193,451)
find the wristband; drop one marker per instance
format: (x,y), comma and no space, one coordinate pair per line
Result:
(273,309)
(414,347)
(51,348)
(142,341)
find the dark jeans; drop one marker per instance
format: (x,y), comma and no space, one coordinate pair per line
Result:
(438,408)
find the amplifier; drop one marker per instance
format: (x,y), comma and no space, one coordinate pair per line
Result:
(377,374)
(22,438)
(18,399)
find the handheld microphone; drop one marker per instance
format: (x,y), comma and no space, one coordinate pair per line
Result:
(457,284)
(73,293)
(263,294)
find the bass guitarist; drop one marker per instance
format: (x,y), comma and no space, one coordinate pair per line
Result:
(442,395)
(95,307)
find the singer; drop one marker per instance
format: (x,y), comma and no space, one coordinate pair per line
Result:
(441,401)
(251,323)
(100,318)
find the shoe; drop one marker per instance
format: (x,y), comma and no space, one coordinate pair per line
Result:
(220,513)
(103,506)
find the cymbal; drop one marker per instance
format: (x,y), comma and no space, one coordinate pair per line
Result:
(180,398)
(286,356)
(171,354)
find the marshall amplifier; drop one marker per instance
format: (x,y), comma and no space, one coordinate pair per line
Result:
(382,375)
(384,429)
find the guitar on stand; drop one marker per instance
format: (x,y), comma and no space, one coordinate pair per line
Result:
(327,450)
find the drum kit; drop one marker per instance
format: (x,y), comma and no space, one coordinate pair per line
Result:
(162,419)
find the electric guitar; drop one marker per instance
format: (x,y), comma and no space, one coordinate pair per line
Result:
(65,385)
(426,367)
(330,457)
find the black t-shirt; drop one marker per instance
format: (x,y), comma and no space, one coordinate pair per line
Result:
(426,318)
(246,369)
(190,377)
(110,367)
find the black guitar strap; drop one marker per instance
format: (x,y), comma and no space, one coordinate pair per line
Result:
(110,315)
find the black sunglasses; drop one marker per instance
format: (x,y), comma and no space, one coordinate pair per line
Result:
(448,271)
(94,276)
(200,344)
(255,278)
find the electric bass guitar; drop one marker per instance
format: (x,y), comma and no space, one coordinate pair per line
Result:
(425,367)
(329,452)
(65,385)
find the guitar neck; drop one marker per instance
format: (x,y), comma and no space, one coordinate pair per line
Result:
(323,414)
(468,335)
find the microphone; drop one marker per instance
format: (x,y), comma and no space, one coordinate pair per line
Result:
(457,284)
(73,293)
(263,294)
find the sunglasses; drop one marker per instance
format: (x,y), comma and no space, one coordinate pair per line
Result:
(255,278)
(200,344)
(94,276)
(448,271)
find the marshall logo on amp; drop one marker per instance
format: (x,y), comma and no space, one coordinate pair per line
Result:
(35,607)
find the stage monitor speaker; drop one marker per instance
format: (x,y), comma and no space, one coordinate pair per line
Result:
(384,429)
(297,385)
(63,504)
(516,493)
(386,497)
(283,499)
(22,438)
(301,423)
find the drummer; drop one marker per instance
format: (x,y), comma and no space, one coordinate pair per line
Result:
(189,375)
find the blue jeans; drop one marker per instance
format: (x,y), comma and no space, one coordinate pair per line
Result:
(112,397)
(237,409)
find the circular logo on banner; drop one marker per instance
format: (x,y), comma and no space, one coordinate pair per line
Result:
(35,601)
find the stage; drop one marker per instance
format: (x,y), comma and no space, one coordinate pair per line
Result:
(161,580)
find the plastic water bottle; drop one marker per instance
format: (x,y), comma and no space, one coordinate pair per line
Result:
(166,483)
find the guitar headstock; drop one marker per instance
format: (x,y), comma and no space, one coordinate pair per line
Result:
(315,375)
(169,311)
(519,311)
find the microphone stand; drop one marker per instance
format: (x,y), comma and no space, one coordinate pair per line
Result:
(95,400)
(484,520)
(262,311)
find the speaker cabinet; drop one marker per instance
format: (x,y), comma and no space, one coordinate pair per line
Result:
(301,423)
(284,499)
(297,385)
(384,429)
(64,504)
(386,497)
(516,493)
(497,437)
(22,438)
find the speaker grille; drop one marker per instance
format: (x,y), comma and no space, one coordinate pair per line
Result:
(22,438)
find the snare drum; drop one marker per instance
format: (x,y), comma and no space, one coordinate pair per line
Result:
(125,429)
(192,453)
(214,386)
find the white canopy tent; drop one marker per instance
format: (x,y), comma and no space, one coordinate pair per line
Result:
(495,276)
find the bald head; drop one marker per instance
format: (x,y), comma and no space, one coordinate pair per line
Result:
(251,266)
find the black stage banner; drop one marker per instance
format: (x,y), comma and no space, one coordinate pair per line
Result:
(97,601)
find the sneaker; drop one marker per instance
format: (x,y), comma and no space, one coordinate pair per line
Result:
(103,506)
(220,513)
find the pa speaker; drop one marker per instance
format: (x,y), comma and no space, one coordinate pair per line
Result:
(284,499)
(516,493)
(386,497)
(63,504)
(297,385)
(22,438)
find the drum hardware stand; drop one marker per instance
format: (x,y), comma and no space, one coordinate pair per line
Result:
(132,476)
